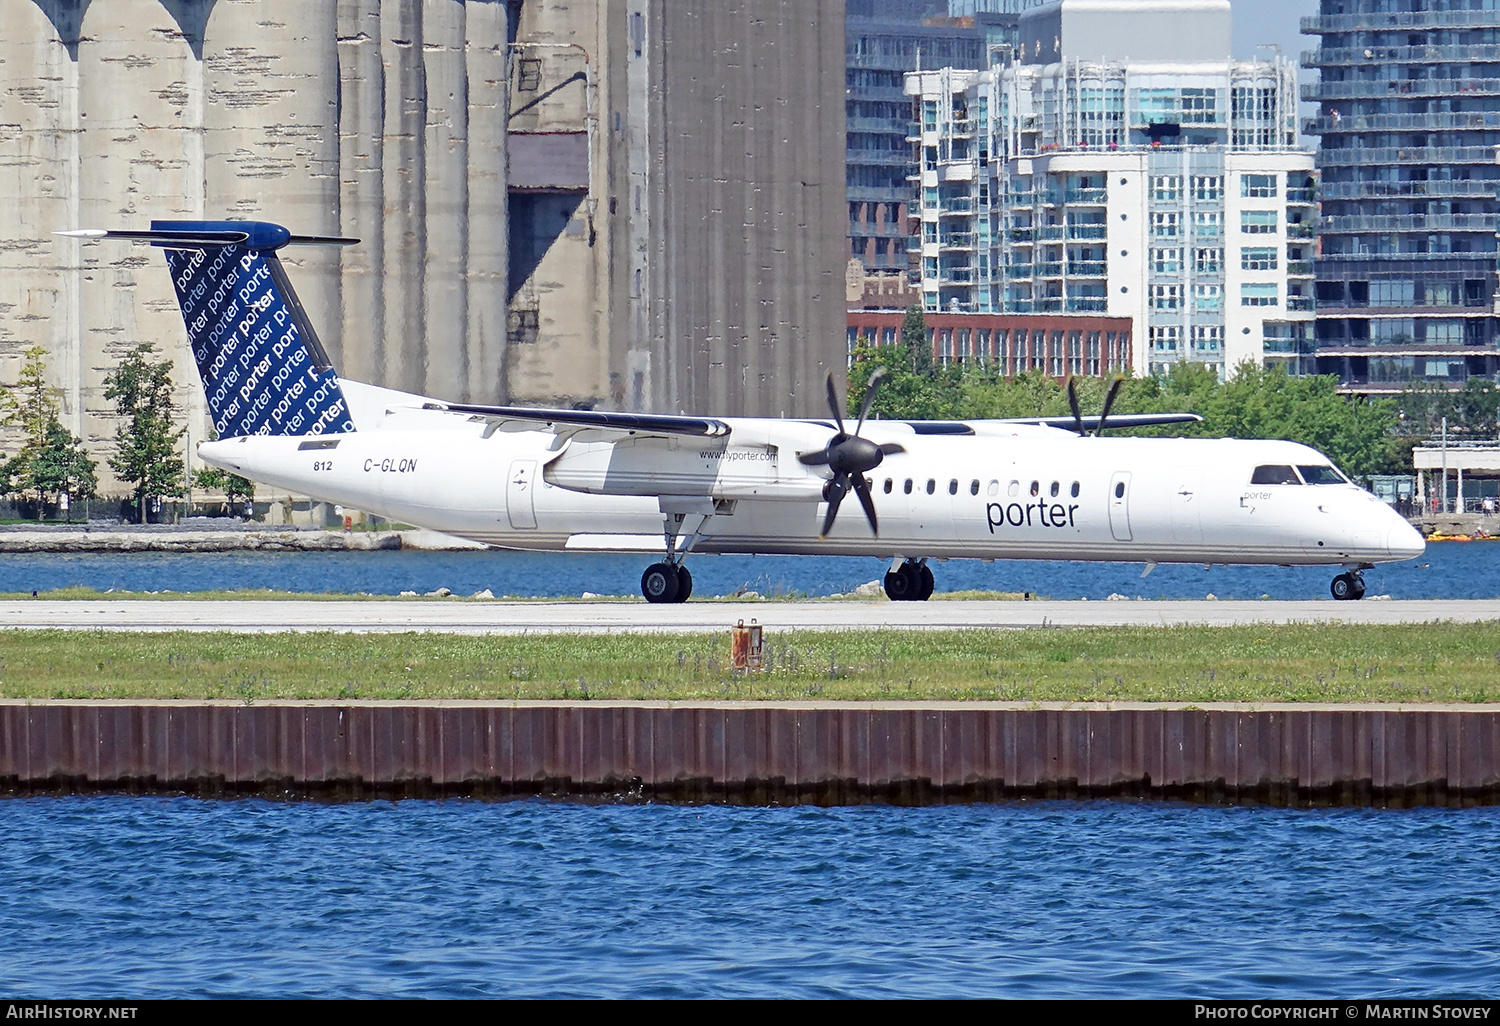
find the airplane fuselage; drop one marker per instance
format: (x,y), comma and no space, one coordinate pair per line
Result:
(1023,493)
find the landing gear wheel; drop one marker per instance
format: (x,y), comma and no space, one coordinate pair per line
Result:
(924,591)
(1348,587)
(660,583)
(909,582)
(684,583)
(900,586)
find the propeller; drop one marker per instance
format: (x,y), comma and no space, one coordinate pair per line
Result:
(1109,401)
(850,457)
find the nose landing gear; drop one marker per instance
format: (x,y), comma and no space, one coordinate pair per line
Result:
(1348,586)
(911,581)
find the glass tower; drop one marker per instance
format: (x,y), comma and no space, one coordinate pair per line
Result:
(1409,118)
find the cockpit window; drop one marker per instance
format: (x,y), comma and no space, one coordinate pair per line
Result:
(1272,474)
(1321,475)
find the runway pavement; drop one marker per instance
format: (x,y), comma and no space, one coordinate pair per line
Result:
(697,617)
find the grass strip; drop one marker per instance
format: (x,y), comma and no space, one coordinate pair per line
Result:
(1438,662)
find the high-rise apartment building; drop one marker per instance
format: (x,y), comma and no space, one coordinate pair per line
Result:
(1409,97)
(885,39)
(1122,163)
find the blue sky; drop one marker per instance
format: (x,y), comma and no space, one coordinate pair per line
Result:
(1271,21)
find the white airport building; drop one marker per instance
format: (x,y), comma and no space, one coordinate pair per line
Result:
(1121,163)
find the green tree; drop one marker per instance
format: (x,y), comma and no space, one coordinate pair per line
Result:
(31,406)
(146,442)
(233,487)
(914,338)
(1358,434)
(51,460)
(63,468)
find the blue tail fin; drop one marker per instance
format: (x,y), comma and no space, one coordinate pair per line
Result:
(263,368)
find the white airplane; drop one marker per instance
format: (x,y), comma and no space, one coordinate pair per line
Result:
(585,480)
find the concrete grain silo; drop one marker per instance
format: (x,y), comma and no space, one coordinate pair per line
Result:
(695,151)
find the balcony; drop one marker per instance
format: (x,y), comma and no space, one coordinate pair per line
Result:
(1299,303)
(956,207)
(1050,233)
(956,171)
(1021,235)
(1089,197)
(1049,269)
(955,275)
(1086,304)
(1434,188)
(1374,89)
(957,240)
(914,244)
(1018,270)
(1301,197)
(1451,53)
(1083,232)
(883,126)
(1363,156)
(1476,120)
(1299,269)
(1318,24)
(1381,223)
(1088,268)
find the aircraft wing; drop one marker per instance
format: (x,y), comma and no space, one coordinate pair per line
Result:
(1119,420)
(625,423)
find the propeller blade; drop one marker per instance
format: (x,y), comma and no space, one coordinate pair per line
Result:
(837,489)
(817,458)
(891,448)
(1073,405)
(871,387)
(833,403)
(1109,400)
(862,491)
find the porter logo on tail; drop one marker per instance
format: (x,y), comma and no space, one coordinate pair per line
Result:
(264,370)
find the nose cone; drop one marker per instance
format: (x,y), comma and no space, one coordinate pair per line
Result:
(1405,542)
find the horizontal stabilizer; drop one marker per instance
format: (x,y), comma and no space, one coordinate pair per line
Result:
(253,235)
(631,423)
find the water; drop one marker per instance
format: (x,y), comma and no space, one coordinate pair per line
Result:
(178,897)
(1447,570)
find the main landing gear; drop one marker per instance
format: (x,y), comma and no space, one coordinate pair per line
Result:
(1348,586)
(910,581)
(666,582)
(669,581)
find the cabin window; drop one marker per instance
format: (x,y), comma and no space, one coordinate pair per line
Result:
(1036,489)
(888,484)
(908,486)
(953,487)
(994,488)
(931,485)
(1274,475)
(1321,475)
(974,487)
(1014,489)
(1074,491)
(1119,489)
(1055,489)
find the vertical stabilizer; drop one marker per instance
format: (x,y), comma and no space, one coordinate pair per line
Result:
(263,369)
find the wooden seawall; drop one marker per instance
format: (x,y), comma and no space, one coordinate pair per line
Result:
(841,753)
